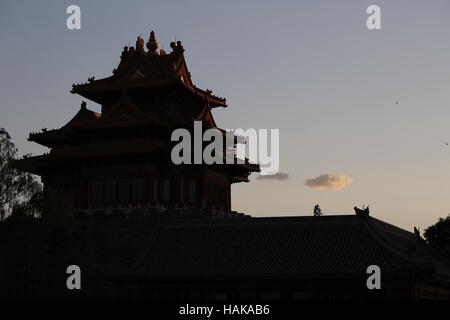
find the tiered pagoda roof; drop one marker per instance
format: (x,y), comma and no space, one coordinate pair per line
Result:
(148,89)
(139,69)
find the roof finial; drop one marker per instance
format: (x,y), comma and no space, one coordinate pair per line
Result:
(176,46)
(362,212)
(152,44)
(139,44)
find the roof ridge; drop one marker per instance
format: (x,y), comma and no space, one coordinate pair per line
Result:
(260,220)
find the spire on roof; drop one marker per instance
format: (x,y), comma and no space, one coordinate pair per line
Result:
(152,44)
(139,44)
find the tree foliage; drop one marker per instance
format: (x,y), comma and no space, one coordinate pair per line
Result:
(438,235)
(18,190)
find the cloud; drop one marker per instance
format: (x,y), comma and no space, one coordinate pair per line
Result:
(328,182)
(276,176)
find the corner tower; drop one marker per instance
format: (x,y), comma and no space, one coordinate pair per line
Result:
(119,159)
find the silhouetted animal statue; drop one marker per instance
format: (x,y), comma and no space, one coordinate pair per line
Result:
(317,211)
(364,211)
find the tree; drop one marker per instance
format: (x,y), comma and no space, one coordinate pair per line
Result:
(438,235)
(17,189)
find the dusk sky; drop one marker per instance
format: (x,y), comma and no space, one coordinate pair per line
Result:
(370,105)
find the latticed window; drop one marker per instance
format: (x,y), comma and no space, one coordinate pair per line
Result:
(192,193)
(97,192)
(138,190)
(166,190)
(110,191)
(181,191)
(124,191)
(155,189)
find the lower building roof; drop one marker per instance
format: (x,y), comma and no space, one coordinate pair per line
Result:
(327,247)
